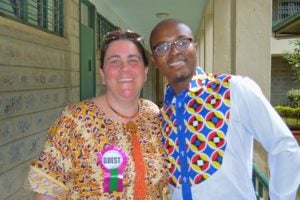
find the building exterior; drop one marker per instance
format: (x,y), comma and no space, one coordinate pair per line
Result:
(39,76)
(43,67)
(285,28)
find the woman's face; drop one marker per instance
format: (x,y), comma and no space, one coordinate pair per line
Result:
(123,72)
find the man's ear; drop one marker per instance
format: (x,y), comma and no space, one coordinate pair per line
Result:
(101,72)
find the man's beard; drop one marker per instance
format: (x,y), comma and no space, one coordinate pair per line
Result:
(183,78)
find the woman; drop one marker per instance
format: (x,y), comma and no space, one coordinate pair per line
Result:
(108,147)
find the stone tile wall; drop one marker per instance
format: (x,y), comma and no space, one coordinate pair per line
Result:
(39,75)
(282,81)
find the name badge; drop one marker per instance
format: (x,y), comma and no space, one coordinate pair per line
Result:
(113,160)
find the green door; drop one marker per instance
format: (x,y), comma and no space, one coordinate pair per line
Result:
(87,50)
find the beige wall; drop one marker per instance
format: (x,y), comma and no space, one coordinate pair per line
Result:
(39,76)
(279,46)
(223,48)
(235,36)
(252,42)
(282,81)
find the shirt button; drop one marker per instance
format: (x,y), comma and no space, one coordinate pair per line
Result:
(180,128)
(182,153)
(184,179)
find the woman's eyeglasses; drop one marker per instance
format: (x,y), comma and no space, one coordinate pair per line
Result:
(122,34)
(165,47)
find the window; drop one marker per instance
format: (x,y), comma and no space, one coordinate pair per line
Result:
(287,8)
(44,14)
(103,26)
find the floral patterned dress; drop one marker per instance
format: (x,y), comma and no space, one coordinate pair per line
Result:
(67,168)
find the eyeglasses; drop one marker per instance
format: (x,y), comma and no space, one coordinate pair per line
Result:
(122,34)
(165,47)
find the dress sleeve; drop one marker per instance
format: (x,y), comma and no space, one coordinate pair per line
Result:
(261,120)
(49,173)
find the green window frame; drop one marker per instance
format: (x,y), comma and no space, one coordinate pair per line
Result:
(103,26)
(287,8)
(43,14)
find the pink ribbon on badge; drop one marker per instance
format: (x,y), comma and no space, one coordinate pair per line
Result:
(112,160)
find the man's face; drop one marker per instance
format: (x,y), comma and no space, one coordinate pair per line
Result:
(177,64)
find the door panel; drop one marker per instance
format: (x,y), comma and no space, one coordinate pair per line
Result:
(87,50)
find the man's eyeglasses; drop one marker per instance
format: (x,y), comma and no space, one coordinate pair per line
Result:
(165,47)
(122,34)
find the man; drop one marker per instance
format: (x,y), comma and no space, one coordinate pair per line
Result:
(209,122)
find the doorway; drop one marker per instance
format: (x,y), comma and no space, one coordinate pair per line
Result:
(87,50)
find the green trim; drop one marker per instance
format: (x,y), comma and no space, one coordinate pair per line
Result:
(261,175)
(61,17)
(260,181)
(103,26)
(87,52)
(24,10)
(287,21)
(36,13)
(45,14)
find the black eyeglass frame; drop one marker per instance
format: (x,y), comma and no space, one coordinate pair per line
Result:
(170,44)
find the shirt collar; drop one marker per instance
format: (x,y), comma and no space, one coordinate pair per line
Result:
(198,80)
